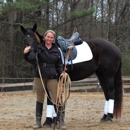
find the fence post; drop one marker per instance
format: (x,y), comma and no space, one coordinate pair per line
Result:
(3,80)
(123,91)
(34,89)
(98,84)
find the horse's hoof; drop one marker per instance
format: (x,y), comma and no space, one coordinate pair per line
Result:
(103,118)
(108,119)
(47,123)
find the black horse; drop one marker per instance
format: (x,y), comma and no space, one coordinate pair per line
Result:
(106,64)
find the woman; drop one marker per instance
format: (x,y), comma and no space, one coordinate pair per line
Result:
(51,67)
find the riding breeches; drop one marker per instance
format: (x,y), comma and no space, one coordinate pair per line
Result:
(50,86)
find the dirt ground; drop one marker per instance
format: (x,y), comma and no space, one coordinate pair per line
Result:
(83,112)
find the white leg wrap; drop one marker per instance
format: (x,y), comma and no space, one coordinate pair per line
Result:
(54,112)
(49,111)
(111,106)
(106,107)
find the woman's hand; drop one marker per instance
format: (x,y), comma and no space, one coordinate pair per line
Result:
(27,49)
(63,74)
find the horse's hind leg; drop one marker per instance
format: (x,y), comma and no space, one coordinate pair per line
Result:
(111,97)
(109,92)
(107,85)
(103,86)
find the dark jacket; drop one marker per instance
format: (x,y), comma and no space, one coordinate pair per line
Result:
(49,60)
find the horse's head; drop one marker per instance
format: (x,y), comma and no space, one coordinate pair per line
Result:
(32,37)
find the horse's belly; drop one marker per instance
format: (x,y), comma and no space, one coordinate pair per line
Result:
(81,70)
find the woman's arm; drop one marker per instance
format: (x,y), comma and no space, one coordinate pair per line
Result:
(29,55)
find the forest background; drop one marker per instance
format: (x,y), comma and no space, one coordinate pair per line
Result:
(108,19)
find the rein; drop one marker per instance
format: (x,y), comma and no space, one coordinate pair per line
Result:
(38,40)
(63,89)
(42,80)
(59,89)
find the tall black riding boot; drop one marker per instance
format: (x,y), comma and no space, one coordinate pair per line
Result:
(61,114)
(39,108)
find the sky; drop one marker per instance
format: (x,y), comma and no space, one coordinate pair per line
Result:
(5,1)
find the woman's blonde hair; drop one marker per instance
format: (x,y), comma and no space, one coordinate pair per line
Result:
(50,31)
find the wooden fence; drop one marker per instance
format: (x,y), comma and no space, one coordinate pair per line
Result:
(88,84)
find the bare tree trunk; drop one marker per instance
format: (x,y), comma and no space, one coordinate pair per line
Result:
(72,8)
(108,18)
(53,14)
(91,22)
(102,18)
(47,15)
(10,43)
(65,10)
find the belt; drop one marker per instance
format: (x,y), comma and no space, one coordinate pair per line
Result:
(47,65)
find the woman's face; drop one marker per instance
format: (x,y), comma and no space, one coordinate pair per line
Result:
(49,38)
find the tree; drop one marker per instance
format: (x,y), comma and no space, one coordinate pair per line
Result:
(108,19)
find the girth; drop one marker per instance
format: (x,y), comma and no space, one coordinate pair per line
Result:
(47,65)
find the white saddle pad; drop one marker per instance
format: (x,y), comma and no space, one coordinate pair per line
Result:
(84,53)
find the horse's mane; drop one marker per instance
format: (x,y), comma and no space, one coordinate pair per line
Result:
(38,39)
(39,36)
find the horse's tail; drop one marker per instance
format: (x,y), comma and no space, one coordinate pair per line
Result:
(118,92)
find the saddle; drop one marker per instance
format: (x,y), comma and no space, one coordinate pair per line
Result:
(64,45)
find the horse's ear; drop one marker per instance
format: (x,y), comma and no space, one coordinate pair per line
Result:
(23,29)
(34,27)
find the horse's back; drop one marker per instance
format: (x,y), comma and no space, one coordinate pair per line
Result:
(105,48)
(106,55)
